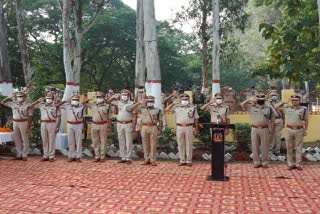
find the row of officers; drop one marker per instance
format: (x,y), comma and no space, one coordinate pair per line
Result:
(267,116)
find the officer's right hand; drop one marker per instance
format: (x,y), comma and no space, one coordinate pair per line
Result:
(40,100)
(177,101)
(212,100)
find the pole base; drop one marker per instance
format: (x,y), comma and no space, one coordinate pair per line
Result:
(211,178)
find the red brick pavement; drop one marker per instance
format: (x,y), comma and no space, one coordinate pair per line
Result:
(110,187)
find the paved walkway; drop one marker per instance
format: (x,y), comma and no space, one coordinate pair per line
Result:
(110,187)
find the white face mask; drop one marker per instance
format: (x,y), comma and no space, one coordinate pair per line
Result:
(274,97)
(74,102)
(99,100)
(184,102)
(49,101)
(219,101)
(124,98)
(150,104)
(20,99)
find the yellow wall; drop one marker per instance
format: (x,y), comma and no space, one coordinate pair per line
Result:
(242,117)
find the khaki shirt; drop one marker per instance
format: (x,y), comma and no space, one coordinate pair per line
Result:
(156,115)
(124,113)
(74,113)
(277,112)
(19,111)
(99,113)
(215,110)
(259,116)
(295,116)
(185,114)
(48,112)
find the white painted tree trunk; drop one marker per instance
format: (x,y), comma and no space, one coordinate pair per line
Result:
(23,44)
(5,72)
(215,49)
(153,83)
(140,55)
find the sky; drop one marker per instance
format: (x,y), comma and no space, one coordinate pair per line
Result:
(164,9)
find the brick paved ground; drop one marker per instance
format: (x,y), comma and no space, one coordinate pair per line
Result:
(87,187)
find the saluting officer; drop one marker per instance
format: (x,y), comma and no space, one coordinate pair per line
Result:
(126,121)
(75,114)
(50,123)
(275,138)
(22,121)
(186,117)
(100,126)
(150,126)
(297,125)
(218,111)
(262,126)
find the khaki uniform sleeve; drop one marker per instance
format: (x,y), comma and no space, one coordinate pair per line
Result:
(196,115)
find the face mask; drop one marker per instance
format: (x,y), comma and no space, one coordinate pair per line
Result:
(150,104)
(260,102)
(274,97)
(124,98)
(49,101)
(20,99)
(99,100)
(219,101)
(184,102)
(75,102)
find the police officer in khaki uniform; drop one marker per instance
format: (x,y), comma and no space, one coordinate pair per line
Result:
(275,138)
(262,118)
(218,111)
(126,122)
(151,126)
(100,125)
(50,123)
(75,114)
(186,117)
(22,121)
(296,129)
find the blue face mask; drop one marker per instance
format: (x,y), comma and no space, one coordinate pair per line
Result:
(274,98)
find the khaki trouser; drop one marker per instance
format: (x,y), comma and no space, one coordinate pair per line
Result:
(149,141)
(260,137)
(185,139)
(75,140)
(294,142)
(48,135)
(99,140)
(275,138)
(125,140)
(21,138)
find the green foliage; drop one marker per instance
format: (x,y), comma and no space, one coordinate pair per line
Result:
(5,116)
(242,136)
(294,51)
(167,141)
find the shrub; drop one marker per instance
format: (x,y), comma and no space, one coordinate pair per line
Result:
(242,136)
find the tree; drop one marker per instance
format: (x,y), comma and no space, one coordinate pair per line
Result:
(231,16)
(5,71)
(150,47)
(140,67)
(73,31)
(215,48)
(23,43)
(294,50)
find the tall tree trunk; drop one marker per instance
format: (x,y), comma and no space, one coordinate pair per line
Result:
(5,72)
(140,56)
(153,83)
(70,41)
(23,44)
(204,51)
(215,49)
